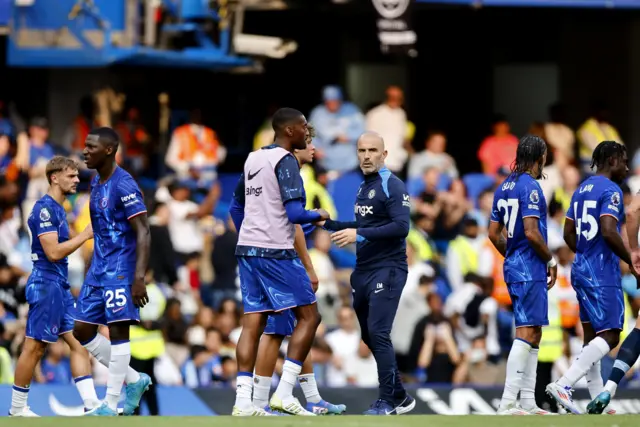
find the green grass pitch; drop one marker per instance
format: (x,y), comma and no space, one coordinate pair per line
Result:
(336,421)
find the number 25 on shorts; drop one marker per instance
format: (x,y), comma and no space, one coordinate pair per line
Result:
(118,296)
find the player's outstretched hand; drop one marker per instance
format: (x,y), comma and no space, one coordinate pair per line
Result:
(88,232)
(553,275)
(324,215)
(139,293)
(344,237)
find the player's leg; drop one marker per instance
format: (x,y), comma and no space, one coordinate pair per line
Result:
(80,360)
(81,371)
(90,313)
(268,351)
(256,304)
(385,289)
(535,305)
(300,343)
(43,325)
(121,312)
(292,286)
(627,357)
(522,360)
(594,374)
(315,402)
(278,327)
(603,307)
(360,302)
(32,352)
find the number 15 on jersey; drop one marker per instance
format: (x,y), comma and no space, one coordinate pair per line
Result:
(587,218)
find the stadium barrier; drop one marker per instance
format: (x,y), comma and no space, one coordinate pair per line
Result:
(50,400)
(429,401)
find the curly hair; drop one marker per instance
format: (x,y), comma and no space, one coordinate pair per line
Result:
(605,151)
(530,151)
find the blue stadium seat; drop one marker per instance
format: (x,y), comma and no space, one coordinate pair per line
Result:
(476,183)
(415,186)
(343,191)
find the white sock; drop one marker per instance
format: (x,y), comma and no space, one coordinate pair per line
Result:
(310,388)
(261,389)
(594,380)
(290,371)
(591,354)
(528,390)
(87,391)
(244,387)
(516,366)
(100,348)
(611,387)
(120,358)
(18,399)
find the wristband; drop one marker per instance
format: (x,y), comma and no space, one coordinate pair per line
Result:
(552,263)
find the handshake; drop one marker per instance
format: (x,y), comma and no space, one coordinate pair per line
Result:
(324,215)
(342,237)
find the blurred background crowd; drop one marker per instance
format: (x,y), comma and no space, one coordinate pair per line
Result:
(454,322)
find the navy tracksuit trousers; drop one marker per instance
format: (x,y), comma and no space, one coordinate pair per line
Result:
(376,294)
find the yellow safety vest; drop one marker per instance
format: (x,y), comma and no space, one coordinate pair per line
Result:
(424,251)
(563,198)
(552,335)
(146,344)
(6,370)
(593,127)
(315,190)
(467,255)
(629,320)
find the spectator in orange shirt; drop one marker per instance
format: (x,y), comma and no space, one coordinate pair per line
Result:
(498,149)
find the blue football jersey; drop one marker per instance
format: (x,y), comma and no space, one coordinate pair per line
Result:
(595,263)
(112,204)
(48,216)
(520,196)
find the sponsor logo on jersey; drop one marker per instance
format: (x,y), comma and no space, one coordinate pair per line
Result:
(253,191)
(363,210)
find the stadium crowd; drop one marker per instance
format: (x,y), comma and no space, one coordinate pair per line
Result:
(454,322)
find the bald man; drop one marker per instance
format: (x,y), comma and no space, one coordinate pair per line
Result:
(381,226)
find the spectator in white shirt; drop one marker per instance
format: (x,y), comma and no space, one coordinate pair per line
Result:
(361,368)
(390,121)
(433,156)
(344,343)
(186,236)
(413,305)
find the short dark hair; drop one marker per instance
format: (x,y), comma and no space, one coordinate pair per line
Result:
(107,137)
(58,164)
(284,117)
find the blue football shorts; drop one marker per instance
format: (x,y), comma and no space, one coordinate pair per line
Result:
(270,284)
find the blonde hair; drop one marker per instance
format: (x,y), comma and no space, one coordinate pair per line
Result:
(59,164)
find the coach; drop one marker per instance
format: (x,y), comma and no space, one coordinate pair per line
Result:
(381,226)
